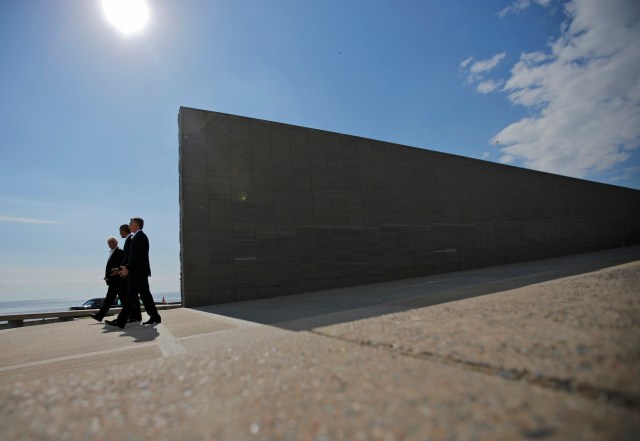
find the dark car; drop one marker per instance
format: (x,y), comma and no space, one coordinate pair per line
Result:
(95,303)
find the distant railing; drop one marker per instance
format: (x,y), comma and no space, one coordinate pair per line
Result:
(38,318)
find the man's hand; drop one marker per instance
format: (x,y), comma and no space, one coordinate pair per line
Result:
(124,272)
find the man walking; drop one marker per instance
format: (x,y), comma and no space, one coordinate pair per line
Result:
(135,314)
(138,270)
(112,277)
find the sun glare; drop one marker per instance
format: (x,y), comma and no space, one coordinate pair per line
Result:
(128,16)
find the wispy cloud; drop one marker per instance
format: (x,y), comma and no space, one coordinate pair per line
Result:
(583,93)
(25,220)
(489,86)
(521,5)
(487,65)
(477,71)
(627,174)
(465,63)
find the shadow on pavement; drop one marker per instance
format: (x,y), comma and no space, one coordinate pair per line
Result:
(139,332)
(323,308)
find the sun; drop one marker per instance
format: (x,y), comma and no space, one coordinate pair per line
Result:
(128,16)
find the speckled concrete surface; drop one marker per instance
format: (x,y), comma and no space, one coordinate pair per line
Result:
(300,387)
(553,361)
(583,331)
(77,364)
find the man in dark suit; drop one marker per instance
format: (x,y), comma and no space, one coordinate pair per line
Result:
(111,277)
(135,315)
(138,270)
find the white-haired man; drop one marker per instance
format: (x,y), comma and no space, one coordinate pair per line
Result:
(111,277)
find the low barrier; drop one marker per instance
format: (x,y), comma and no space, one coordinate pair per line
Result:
(38,318)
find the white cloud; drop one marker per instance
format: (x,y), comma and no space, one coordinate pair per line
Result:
(521,5)
(487,65)
(465,63)
(485,155)
(25,220)
(478,70)
(488,86)
(584,93)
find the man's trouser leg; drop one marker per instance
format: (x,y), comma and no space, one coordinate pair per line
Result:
(132,299)
(112,292)
(147,298)
(127,306)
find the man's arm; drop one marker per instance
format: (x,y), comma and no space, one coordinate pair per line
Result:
(115,261)
(112,262)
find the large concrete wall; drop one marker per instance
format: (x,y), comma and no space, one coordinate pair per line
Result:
(270,209)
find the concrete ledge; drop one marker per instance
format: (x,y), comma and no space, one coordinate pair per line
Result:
(39,318)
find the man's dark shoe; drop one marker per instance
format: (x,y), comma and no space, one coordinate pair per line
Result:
(153,321)
(114,323)
(95,317)
(134,319)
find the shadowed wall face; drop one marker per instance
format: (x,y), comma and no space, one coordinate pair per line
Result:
(270,209)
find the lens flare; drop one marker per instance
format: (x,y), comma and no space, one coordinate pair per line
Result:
(128,16)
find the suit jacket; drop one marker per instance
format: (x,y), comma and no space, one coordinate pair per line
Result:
(127,250)
(114,262)
(138,264)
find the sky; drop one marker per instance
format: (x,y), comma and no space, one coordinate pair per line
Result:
(88,113)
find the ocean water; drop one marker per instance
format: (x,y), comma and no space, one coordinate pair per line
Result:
(48,305)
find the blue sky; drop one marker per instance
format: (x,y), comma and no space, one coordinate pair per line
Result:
(89,115)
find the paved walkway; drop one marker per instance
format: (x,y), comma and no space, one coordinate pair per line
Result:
(542,350)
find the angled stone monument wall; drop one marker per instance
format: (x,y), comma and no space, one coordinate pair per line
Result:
(269,209)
